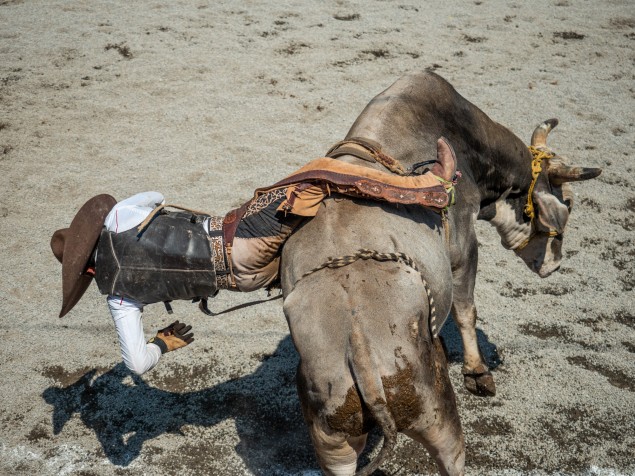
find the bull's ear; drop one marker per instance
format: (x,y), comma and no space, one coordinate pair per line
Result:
(552,213)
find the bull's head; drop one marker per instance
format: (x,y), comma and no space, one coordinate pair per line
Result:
(534,229)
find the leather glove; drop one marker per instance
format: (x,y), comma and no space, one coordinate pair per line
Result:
(173,337)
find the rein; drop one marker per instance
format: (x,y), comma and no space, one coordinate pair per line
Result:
(536,167)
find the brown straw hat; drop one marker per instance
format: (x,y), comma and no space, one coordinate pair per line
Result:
(73,246)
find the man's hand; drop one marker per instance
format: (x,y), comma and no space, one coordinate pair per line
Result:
(173,337)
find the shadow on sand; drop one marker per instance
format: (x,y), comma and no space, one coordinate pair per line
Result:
(264,406)
(125,412)
(454,346)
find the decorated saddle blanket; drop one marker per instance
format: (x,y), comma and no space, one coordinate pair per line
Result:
(312,183)
(253,235)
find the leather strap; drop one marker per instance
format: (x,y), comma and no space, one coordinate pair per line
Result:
(367,150)
(230,225)
(231,222)
(348,148)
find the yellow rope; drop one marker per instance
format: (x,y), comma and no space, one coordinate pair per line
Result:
(449,187)
(536,168)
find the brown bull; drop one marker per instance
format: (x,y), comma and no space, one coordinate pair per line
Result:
(368,354)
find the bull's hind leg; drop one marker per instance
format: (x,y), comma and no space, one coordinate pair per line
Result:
(445,444)
(439,427)
(336,453)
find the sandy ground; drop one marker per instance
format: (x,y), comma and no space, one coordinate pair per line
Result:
(207,101)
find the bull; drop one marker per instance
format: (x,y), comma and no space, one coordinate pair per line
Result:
(368,354)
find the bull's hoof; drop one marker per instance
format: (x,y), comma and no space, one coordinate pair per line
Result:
(480,384)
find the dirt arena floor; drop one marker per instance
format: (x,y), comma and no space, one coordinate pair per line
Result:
(206,101)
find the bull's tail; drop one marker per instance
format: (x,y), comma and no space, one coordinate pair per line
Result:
(372,394)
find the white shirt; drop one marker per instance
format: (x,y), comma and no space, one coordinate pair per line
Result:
(137,354)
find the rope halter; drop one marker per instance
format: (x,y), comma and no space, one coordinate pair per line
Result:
(536,167)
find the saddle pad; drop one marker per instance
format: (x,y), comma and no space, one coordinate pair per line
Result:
(310,184)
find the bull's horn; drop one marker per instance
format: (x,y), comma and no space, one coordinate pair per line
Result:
(559,174)
(445,165)
(539,137)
